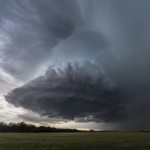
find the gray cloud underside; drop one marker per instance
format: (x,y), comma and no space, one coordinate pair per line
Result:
(30,30)
(79,92)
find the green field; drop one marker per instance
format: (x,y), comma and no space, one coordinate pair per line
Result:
(76,141)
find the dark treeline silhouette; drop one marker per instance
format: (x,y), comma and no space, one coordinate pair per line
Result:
(23,127)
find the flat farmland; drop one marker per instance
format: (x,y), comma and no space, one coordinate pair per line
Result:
(76,141)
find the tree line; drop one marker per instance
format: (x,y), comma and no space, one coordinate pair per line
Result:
(23,127)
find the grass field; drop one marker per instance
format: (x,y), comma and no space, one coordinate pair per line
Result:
(76,141)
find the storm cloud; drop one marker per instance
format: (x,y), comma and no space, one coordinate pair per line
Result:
(75,92)
(113,86)
(30,30)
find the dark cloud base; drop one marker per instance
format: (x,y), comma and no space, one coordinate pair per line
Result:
(78,92)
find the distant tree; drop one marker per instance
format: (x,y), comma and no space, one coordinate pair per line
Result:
(23,127)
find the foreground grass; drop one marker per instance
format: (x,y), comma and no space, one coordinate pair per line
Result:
(76,141)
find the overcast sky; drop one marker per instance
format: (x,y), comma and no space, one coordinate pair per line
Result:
(75,63)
